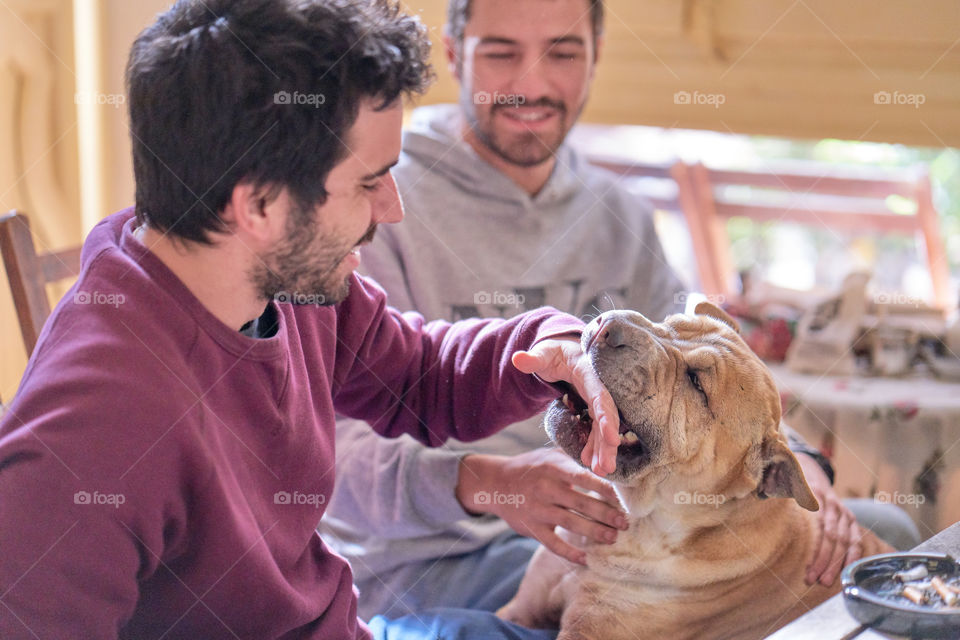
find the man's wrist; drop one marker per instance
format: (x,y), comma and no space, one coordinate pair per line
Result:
(798,445)
(471,490)
(822,461)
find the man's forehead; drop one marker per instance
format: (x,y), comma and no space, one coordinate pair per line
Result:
(507,20)
(374,140)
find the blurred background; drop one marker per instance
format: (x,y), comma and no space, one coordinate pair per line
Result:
(858,90)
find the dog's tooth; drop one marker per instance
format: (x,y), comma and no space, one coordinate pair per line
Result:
(630,437)
(566,400)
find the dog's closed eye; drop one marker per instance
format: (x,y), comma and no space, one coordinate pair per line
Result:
(695,380)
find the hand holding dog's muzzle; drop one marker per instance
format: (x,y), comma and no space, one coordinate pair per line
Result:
(563,359)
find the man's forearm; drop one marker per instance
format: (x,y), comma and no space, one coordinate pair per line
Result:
(367,497)
(800,446)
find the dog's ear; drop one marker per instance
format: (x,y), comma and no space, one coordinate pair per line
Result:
(783,477)
(712,310)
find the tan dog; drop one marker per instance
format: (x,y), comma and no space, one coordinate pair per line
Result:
(714,550)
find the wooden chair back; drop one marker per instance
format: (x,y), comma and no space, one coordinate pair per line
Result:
(819,195)
(29,272)
(837,199)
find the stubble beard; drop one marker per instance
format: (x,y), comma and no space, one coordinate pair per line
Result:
(526,149)
(305,265)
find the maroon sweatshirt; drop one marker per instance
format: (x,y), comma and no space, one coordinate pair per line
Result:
(162,474)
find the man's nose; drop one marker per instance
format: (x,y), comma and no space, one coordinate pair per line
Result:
(532,81)
(388,208)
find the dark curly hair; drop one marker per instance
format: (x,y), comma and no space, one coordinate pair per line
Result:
(209,91)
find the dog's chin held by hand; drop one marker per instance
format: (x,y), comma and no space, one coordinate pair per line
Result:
(568,424)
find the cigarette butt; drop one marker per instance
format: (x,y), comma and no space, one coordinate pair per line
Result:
(948,596)
(913,594)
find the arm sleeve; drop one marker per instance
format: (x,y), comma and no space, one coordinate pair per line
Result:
(72,576)
(436,380)
(75,538)
(393,488)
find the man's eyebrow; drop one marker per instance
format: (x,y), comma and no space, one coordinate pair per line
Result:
(379,174)
(496,40)
(568,40)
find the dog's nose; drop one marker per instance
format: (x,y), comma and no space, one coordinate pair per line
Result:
(613,335)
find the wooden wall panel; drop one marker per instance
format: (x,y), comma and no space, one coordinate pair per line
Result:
(793,68)
(38,143)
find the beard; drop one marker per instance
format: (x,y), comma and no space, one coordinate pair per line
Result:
(524,149)
(302,269)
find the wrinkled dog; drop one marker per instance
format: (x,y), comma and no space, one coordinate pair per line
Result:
(721,522)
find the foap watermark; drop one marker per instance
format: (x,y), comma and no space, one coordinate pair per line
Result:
(98,297)
(499,299)
(295,297)
(900,499)
(899,98)
(692,298)
(315,100)
(510,99)
(315,500)
(115,100)
(96,498)
(685,497)
(900,299)
(487,498)
(699,98)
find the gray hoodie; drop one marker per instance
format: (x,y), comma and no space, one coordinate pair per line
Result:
(473,243)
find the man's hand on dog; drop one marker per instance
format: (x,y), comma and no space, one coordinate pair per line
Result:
(538,490)
(563,359)
(838,537)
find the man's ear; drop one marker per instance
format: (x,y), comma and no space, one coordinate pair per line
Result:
(453,55)
(782,475)
(597,52)
(255,212)
(709,309)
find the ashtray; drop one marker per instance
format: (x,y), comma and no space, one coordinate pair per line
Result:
(909,594)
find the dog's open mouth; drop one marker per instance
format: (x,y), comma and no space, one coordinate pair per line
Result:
(632,452)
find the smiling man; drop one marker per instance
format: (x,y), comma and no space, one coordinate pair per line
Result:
(524,71)
(166,460)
